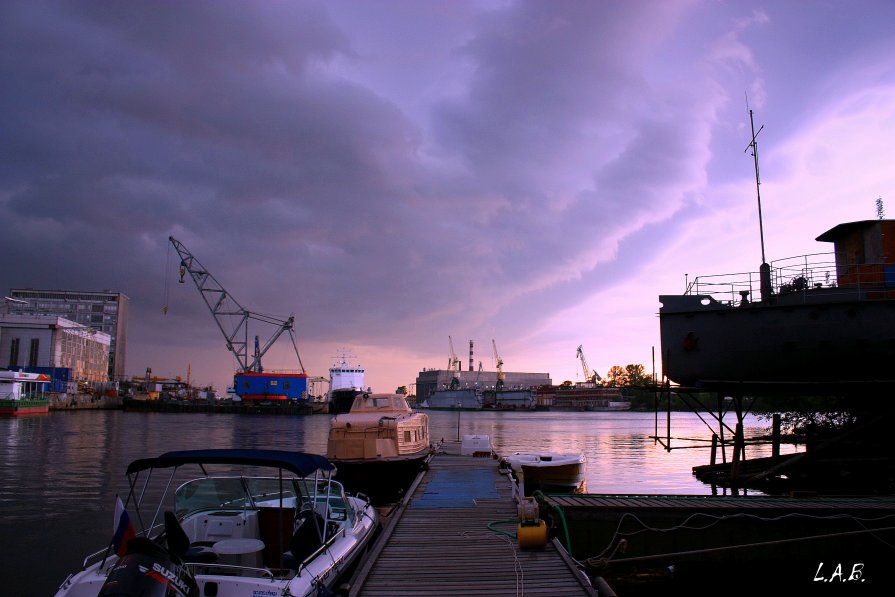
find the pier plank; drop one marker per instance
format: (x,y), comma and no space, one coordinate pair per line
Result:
(439,543)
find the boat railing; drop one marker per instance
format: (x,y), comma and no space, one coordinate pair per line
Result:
(229,569)
(831,272)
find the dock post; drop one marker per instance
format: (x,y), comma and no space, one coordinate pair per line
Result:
(714,449)
(775,436)
(721,426)
(737,451)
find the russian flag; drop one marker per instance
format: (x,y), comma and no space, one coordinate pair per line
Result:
(124,528)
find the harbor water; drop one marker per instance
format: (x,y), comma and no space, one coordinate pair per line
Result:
(60,473)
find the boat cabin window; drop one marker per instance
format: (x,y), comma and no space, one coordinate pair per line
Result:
(371,402)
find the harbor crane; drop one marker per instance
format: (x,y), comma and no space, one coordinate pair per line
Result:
(453,360)
(230,316)
(453,365)
(501,376)
(589,375)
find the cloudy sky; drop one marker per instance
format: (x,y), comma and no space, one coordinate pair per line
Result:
(397,172)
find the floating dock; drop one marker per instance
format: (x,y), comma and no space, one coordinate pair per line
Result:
(683,542)
(440,541)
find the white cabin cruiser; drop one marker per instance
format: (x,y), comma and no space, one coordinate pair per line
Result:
(550,472)
(291,533)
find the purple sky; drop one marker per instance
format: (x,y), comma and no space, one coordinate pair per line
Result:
(395,172)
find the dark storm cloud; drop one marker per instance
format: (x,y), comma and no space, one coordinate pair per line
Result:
(245,131)
(217,121)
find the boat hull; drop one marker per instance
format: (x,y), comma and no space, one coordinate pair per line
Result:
(549,472)
(18,408)
(340,400)
(384,481)
(812,340)
(509,400)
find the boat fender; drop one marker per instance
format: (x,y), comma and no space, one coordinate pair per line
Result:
(532,535)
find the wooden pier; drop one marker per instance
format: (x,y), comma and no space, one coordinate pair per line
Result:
(438,542)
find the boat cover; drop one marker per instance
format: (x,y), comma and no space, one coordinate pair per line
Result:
(300,463)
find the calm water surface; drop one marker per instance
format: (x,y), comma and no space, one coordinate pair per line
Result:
(59,473)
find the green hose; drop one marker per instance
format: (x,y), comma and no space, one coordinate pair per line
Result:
(504,521)
(541,497)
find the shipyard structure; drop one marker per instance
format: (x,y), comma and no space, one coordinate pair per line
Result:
(429,381)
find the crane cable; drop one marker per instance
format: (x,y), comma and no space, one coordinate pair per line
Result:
(292,336)
(167,274)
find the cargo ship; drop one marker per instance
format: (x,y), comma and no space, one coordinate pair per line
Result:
(346,382)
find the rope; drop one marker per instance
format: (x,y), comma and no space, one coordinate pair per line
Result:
(743,546)
(602,559)
(517,565)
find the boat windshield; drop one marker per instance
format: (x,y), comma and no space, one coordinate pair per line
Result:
(325,495)
(215,493)
(236,493)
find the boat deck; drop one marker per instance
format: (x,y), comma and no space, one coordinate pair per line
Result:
(438,542)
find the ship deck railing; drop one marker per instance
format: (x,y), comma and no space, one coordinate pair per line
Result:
(830,272)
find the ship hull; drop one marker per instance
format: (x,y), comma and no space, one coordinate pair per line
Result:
(466,399)
(810,338)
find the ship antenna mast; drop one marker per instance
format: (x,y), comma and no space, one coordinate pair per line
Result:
(765,271)
(754,146)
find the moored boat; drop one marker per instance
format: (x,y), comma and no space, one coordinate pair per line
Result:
(550,472)
(509,399)
(23,393)
(814,320)
(290,530)
(379,446)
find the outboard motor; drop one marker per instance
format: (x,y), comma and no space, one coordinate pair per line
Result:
(149,570)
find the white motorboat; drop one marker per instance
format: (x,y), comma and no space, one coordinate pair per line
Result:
(549,472)
(293,532)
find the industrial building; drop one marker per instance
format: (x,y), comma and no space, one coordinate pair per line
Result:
(104,311)
(68,351)
(429,380)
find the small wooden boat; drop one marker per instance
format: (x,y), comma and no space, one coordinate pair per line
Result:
(294,532)
(550,472)
(379,446)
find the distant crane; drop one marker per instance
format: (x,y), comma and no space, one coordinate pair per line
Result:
(233,321)
(453,360)
(589,376)
(501,376)
(453,365)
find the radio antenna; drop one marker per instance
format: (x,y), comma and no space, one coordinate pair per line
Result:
(753,145)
